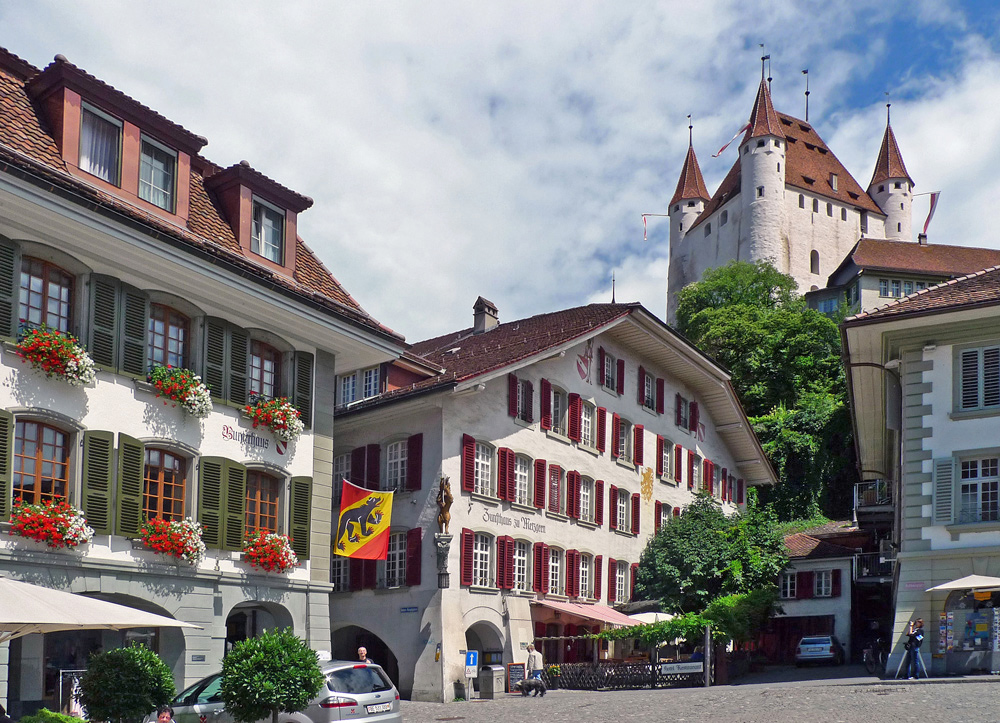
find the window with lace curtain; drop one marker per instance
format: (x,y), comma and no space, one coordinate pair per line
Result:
(100,144)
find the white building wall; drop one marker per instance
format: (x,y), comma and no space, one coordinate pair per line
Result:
(839,607)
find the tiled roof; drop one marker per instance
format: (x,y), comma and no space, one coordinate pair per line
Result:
(974,290)
(763,119)
(691,184)
(890,160)
(834,527)
(801,546)
(28,149)
(908,257)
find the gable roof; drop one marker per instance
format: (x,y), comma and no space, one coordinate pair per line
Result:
(890,160)
(801,546)
(29,150)
(893,255)
(691,184)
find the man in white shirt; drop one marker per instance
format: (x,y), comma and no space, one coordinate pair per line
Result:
(534,663)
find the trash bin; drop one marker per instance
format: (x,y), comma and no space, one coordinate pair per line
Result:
(492,681)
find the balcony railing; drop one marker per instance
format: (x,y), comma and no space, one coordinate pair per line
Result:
(873,564)
(872,494)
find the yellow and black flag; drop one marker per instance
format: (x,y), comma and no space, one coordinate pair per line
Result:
(363,527)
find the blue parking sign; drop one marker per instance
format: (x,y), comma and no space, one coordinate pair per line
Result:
(472,659)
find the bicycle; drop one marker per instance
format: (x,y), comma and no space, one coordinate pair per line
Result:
(874,656)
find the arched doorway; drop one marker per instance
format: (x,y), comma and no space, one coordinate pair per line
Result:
(348,639)
(250,619)
(488,640)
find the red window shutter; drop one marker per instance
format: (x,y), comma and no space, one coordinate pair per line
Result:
(693,416)
(616,424)
(529,401)
(369,575)
(659,456)
(599,502)
(600,366)
(539,630)
(635,513)
(358,467)
(598,564)
(835,583)
(678,462)
(706,476)
(621,376)
(511,395)
(677,512)
(571,571)
(501,561)
(803,585)
(555,479)
(638,435)
(660,396)
(355,572)
(575,412)
(502,480)
(414,461)
(634,569)
(690,469)
(546,404)
(373,455)
(613,507)
(641,393)
(724,477)
(508,582)
(414,540)
(739,491)
(536,570)
(545,569)
(539,483)
(466,554)
(677,409)
(577,484)
(657,511)
(571,496)
(511,476)
(468,463)
(602,428)
(612,575)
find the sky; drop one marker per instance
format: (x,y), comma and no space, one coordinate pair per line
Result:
(456,149)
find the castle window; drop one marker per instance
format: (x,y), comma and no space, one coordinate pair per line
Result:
(899,227)
(100,144)
(761,143)
(881,188)
(897,184)
(833,181)
(901,208)
(760,191)
(814,262)
(815,205)
(746,149)
(779,168)
(802,201)
(677,207)
(829,210)
(708,229)
(864,222)
(723,218)
(680,226)
(690,204)
(843,214)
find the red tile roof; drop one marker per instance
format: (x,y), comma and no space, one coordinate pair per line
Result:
(691,184)
(763,119)
(801,546)
(908,257)
(28,149)
(890,160)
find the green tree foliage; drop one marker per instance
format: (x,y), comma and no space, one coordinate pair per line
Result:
(124,684)
(273,673)
(44,715)
(704,555)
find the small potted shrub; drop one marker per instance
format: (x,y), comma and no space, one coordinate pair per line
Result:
(57,354)
(553,673)
(278,415)
(182,386)
(270,551)
(177,538)
(55,522)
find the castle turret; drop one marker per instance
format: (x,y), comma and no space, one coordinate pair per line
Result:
(762,184)
(892,188)
(689,198)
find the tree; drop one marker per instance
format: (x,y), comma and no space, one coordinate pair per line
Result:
(124,684)
(273,673)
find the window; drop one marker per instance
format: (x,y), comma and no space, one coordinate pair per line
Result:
(482,570)
(921,286)
(843,214)
(723,218)
(667,459)
(341,472)
(708,229)
(361,384)
(907,288)
(268,233)
(665,513)
(483,480)
(814,262)
(864,222)
(100,144)
(586,579)
(339,575)
(555,572)
(696,474)
(829,210)
(896,288)
(899,227)
(827,306)
(262,502)
(897,184)
(395,466)
(522,477)
(587,412)
(881,189)
(802,201)
(815,205)
(41,463)
(625,440)
(681,413)
(587,499)
(621,581)
(648,391)
(622,510)
(157,173)
(558,411)
(46,295)
(610,372)
(557,500)
(168,336)
(883,287)
(163,486)
(265,370)
(833,181)
(979,493)
(524,395)
(370,386)
(395,560)
(788,585)
(760,191)
(760,144)
(823,583)
(522,553)
(348,388)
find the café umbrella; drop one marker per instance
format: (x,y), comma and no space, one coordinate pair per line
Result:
(27,608)
(969,582)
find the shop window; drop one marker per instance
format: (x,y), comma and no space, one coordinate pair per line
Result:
(46,295)
(262,497)
(41,463)
(164,482)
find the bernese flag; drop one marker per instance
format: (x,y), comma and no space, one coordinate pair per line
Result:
(363,526)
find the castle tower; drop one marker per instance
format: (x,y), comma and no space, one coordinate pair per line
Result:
(689,198)
(762,185)
(892,188)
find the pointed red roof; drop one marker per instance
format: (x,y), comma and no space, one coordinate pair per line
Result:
(890,161)
(763,119)
(690,184)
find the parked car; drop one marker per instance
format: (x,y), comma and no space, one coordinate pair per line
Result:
(353,691)
(819,649)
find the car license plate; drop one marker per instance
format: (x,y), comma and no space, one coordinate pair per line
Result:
(379,708)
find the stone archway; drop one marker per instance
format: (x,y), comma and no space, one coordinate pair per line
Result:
(347,639)
(485,637)
(253,617)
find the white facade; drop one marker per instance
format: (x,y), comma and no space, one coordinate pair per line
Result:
(829,595)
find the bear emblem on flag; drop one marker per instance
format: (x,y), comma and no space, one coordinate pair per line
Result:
(363,527)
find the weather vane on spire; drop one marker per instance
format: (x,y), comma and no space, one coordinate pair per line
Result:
(690,131)
(887,106)
(806,73)
(763,59)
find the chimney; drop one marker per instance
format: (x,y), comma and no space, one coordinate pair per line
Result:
(922,239)
(485,316)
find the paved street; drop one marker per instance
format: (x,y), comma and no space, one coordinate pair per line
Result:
(777,696)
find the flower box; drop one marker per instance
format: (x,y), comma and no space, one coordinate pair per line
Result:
(270,551)
(278,415)
(55,522)
(183,387)
(177,538)
(57,354)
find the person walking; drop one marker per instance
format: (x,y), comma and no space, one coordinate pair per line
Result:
(534,662)
(915,637)
(363,656)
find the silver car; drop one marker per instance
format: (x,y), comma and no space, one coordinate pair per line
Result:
(353,691)
(819,649)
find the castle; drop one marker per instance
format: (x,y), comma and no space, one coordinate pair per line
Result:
(788,199)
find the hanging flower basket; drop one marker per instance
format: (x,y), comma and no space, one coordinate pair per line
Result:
(56,523)
(177,538)
(270,551)
(278,415)
(57,355)
(184,387)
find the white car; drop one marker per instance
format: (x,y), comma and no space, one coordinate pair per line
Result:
(819,649)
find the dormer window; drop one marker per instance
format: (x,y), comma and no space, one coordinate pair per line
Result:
(100,144)
(157,174)
(268,237)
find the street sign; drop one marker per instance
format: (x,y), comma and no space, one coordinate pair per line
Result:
(471,663)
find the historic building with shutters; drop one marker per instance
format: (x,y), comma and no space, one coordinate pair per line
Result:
(567,438)
(114,229)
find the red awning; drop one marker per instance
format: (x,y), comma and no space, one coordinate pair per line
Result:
(599,613)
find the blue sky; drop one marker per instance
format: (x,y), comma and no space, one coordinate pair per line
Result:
(458,149)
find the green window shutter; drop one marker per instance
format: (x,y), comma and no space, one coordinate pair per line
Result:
(135,325)
(235,490)
(991,377)
(302,389)
(300,515)
(210,489)
(944,491)
(6,462)
(104,320)
(214,374)
(970,379)
(98,464)
(239,357)
(131,465)
(10,275)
